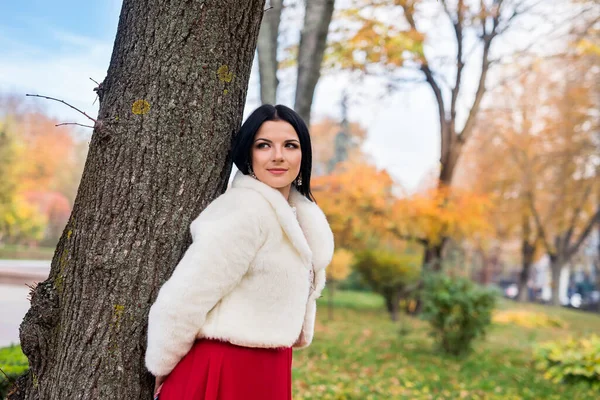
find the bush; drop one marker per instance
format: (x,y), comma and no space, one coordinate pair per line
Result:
(572,361)
(14,364)
(388,274)
(458,310)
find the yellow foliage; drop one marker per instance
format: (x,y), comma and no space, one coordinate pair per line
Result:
(528,319)
(357,200)
(341,263)
(441,212)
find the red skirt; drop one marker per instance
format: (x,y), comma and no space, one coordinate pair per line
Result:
(216,370)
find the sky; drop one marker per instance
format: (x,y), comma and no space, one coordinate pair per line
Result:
(54,47)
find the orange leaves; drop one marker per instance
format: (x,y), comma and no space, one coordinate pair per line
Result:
(356,200)
(340,266)
(440,213)
(363,210)
(40,168)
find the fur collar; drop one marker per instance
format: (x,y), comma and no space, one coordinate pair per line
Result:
(309,232)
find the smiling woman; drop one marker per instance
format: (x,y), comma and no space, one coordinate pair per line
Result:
(276,155)
(274,147)
(244,294)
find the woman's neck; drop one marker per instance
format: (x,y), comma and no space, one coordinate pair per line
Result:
(285,191)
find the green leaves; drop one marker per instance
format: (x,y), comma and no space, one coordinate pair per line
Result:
(458,311)
(571,361)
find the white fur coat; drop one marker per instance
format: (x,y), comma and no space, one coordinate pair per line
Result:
(246,276)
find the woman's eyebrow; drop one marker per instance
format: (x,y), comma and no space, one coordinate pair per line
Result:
(267,140)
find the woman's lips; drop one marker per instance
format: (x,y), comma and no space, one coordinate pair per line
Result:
(277,171)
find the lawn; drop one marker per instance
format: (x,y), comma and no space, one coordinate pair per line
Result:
(12,252)
(362,355)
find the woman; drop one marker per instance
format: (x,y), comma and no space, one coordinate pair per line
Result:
(223,326)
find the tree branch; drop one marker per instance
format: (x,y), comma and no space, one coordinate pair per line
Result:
(584,234)
(485,65)
(576,212)
(458,33)
(538,223)
(61,101)
(74,123)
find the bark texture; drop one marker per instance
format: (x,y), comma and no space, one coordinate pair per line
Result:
(170,104)
(527,253)
(267,53)
(313,40)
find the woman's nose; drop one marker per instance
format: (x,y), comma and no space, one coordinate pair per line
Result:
(277,154)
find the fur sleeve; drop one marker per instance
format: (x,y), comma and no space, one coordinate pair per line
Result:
(226,238)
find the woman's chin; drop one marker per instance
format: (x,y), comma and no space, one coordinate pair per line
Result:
(277,183)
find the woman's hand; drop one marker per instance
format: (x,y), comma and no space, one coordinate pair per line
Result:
(158,384)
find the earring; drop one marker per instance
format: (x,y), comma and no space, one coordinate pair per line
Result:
(251,173)
(299,181)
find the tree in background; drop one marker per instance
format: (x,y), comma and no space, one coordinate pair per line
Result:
(388,38)
(172,99)
(338,270)
(325,134)
(357,199)
(538,160)
(391,274)
(309,55)
(267,46)
(42,165)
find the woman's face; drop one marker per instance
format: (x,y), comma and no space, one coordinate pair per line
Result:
(276,154)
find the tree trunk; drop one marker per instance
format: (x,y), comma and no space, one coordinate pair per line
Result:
(313,40)
(267,53)
(330,289)
(395,309)
(172,99)
(432,260)
(527,252)
(556,264)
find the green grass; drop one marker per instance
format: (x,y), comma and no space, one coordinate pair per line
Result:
(13,252)
(13,364)
(362,355)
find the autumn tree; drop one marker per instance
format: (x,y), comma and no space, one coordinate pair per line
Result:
(357,199)
(503,161)
(539,162)
(565,211)
(394,47)
(169,105)
(19,222)
(326,136)
(338,270)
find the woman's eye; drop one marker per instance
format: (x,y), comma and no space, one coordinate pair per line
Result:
(262,145)
(292,145)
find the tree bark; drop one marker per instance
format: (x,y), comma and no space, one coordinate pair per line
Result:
(556,265)
(172,99)
(330,289)
(267,53)
(313,40)
(432,260)
(527,252)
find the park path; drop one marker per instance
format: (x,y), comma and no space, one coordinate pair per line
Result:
(15,275)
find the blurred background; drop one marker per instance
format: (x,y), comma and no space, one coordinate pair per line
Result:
(456,154)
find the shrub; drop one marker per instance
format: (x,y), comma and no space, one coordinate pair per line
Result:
(14,364)
(389,274)
(571,361)
(458,310)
